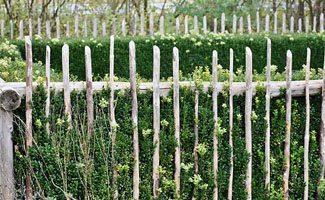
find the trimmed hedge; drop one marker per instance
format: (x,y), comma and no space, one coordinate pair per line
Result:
(195,50)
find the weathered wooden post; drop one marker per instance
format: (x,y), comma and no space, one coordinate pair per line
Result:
(21,29)
(275,28)
(76,26)
(186,24)
(223,18)
(30,27)
(321,23)
(267,23)
(299,25)
(205,25)
(142,24)
(257,22)
(48,29)
(177,25)
(57,20)
(249,24)
(196,26)
(135,24)
(292,24)
(307,24)
(151,24)
(123,28)
(283,23)
(85,27)
(314,24)
(9,101)
(161,25)
(104,28)
(95,27)
(241,22)
(39,27)
(215,25)
(234,24)
(11,30)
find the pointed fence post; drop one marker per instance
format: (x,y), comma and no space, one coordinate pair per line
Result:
(11,30)
(186,24)
(215,118)
(177,174)
(292,24)
(306,142)
(223,18)
(257,22)
(48,29)
(205,25)
(58,27)
(47,87)
(248,120)
(76,26)
(85,27)
(177,25)
(196,26)
(283,23)
(39,27)
(21,29)
(267,23)
(321,22)
(231,176)
(133,88)
(161,25)
(142,24)
(156,119)
(95,27)
(28,107)
(67,34)
(275,28)
(288,127)
(268,128)
(123,28)
(151,24)
(234,24)
(241,24)
(89,92)
(249,24)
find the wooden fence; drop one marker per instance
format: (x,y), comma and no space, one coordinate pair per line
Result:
(293,88)
(53,29)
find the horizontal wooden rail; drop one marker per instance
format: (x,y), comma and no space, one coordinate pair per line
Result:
(298,87)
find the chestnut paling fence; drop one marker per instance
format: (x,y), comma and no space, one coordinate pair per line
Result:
(10,94)
(84,27)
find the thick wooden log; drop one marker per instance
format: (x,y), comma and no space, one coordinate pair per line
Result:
(275,28)
(288,127)
(112,114)
(268,128)
(76,26)
(177,174)
(306,142)
(231,176)
(133,88)
(66,83)
(47,87)
(215,118)
(156,119)
(248,120)
(89,92)
(186,25)
(28,107)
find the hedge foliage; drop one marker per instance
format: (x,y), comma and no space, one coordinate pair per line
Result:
(68,163)
(195,50)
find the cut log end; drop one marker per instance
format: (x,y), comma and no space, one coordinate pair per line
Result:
(9,99)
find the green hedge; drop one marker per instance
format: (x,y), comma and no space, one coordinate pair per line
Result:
(195,50)
(61,167)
